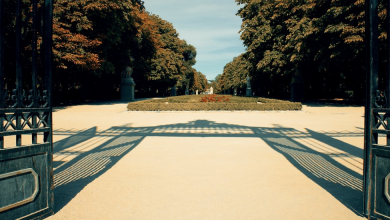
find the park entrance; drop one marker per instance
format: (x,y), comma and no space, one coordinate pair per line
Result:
(26,174)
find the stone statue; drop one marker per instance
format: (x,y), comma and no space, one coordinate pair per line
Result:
(127,83)
(248,87)
(127,72)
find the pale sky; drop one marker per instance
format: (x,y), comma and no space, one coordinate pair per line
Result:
(210,25)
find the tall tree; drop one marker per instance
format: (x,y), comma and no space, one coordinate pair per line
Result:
(93,42)
(234,74)
(315,41)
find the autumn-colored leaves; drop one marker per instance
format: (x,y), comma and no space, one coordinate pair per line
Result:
(95,38)
(77,37)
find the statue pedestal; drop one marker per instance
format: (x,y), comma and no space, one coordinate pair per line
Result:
(173,91)
(127,89)
(249,92)
(297,92)
(297,88)
(248,87)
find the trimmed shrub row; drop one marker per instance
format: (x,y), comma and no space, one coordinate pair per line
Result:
(197,98)
(158,106)
(265,100)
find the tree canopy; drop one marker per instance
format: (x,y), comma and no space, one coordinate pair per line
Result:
(95,40)
(317,42)
(173,61)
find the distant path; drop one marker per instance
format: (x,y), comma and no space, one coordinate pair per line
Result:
(114,164)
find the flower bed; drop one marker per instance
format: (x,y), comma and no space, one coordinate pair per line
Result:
(213,103)
(214,98)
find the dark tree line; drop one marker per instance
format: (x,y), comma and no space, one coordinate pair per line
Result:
(93,41)
(317,43)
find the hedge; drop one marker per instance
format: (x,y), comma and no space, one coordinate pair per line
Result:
(196,99)
(165,106)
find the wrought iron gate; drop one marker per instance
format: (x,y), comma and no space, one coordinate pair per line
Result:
(26,172)
(377,124)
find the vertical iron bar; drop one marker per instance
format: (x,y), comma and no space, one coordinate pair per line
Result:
(2,101)
(17,53)
(47,47)
(18,69)
(388,72)
(48,136)
(18,127)
(34,51)
(371,87)
(371,82)
(42,50)
(47,63)
(34,68)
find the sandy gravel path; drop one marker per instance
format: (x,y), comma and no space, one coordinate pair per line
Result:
(115,164)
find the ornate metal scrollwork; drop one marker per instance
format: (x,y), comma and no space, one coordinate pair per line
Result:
(6,98)
(30,98)
(23,99)
(11,100)
(14,99)
(380,99)
(43,100)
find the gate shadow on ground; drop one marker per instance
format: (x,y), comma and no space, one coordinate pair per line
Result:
(332,164)
(318,156)
(76,138)
(88,157)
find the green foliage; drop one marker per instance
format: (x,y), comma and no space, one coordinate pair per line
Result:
(203,83)
(216,84)
(172,63)
(234,74)
(93,42)
(316,42)
(167,64)
(192,103)
(213,107)
(196,98)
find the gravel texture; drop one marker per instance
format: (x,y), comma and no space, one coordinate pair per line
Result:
(114,164)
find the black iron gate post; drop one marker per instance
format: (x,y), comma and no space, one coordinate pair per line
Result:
(1,70)
(26,170)
(377,122)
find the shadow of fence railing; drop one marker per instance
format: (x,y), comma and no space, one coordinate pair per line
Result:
(332,164)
